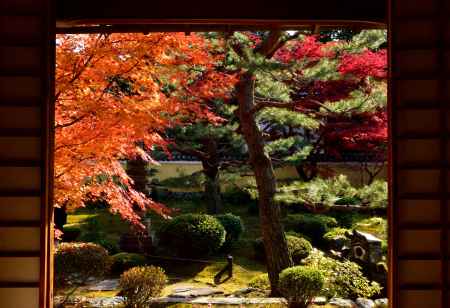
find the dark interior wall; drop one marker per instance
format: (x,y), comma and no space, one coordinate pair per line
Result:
(25,48)
(420,153)
(420,148)
(375,11)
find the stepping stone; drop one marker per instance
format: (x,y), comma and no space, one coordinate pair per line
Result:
(105,285)
(319,300)
(194,292)
(342,303)
(365,303)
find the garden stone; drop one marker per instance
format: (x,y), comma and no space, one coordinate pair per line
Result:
(365,303)
(194,292)
(319,300)
(243,291)
(342,303)
(105,285)
(381,303)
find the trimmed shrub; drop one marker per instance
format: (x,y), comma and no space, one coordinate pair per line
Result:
(336,238)
(343,279)
(313,226)
(193,235)
(123,261)
(233,226)
(71,232)
(299,285)
(299,248)
(76,262)
(260,282)
(141,283)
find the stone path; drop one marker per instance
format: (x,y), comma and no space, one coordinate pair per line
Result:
(105,285)
(221,300)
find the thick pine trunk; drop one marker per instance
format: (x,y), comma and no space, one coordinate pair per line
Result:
(137,170)
(212,183)
(275,244)
(212,194)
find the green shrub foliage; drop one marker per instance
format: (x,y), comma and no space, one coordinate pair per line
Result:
(141,283)
(76,262)
(299,248)
(233,226)
(71,232)
(260,282)
(299,285)
(123,261)
(314,226)
(342,279)
(193,235)
(324,193)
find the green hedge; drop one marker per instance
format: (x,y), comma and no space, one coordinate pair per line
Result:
(192,235)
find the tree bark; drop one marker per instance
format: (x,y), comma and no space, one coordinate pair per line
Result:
(275,244)
(212,183)
(137,170)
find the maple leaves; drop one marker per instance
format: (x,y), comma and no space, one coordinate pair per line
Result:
(109,98)
(117,91)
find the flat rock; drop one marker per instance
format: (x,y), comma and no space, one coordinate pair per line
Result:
(342,303)
(319,300)
(381,303)
(194,292)
(105,285)
(364,303)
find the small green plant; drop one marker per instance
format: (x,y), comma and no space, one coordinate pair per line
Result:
(123,261)
(299,248)
(342,279)
(260,282)
(193,235)
(233,226)
(299,285)
(373,225)
(336,235)
(139,284)
(314,226)
(374,195)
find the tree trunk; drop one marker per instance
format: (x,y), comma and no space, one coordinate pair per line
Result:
(212,194)
(272,230)
(212,183)
(137,170)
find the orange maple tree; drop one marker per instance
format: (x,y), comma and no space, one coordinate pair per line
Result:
(110,97)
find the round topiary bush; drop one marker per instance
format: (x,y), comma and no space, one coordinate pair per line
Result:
(299,248)
(76,262)
(300,284)
(123,261)
(233,226)
(192,235)
(141,283)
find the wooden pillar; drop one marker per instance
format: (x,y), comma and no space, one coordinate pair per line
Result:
(26,61)
(419,105)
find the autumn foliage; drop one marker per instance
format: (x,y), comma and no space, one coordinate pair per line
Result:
(117,94)
(110,97)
